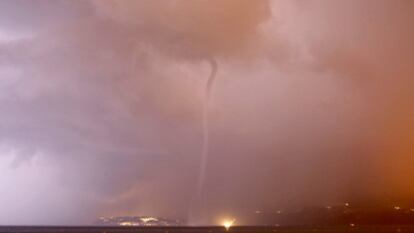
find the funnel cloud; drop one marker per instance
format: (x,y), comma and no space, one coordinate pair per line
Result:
(201,109)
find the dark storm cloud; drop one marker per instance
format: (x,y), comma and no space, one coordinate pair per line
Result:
(101,105)
(34,15)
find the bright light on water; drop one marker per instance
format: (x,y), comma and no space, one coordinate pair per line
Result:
(228,223)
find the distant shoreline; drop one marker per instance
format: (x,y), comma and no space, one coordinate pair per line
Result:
(204,229)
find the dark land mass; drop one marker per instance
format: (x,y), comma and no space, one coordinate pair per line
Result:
(244,229)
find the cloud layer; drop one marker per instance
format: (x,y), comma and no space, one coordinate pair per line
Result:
(101,106)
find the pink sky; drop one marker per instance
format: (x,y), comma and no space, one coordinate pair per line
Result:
(101,105)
